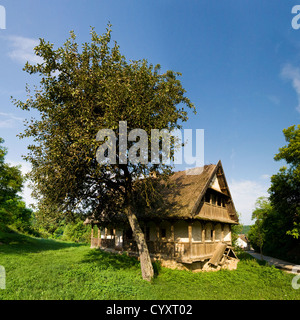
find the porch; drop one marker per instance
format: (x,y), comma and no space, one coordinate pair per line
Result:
(186,242)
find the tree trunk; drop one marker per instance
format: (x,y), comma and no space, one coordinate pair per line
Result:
(145,260)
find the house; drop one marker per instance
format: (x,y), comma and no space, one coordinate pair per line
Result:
(243,242)
(193,231)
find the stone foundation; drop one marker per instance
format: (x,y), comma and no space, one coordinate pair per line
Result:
(228,264)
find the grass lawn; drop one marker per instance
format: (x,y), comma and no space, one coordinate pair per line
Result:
(48,269)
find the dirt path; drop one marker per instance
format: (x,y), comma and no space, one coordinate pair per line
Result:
(281,264)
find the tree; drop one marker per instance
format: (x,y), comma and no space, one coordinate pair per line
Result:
(12,209)
(285,185)
(11,182)
(81,93)
(257,232)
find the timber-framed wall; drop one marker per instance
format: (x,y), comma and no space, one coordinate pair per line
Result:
(196,242)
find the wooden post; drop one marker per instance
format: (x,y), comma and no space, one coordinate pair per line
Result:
(157,238)
(222,232)
(190,231)
(105,233)
(213,233)
(99,237)
(92,235)
(203,233)
(203,237)
(173,238)
(114,232)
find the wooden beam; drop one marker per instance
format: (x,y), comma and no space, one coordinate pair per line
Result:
(99,237)
(92,231)
(218,254)
(173,238)
(190,231)
(172,232)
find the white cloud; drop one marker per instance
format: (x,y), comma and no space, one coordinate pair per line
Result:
(26,193)
(274,99)
(293,73)
(9,120)
(22,49)
(244,194)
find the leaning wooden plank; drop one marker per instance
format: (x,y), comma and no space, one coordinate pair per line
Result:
(218,254)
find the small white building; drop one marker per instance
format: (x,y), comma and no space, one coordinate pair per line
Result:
(243,242)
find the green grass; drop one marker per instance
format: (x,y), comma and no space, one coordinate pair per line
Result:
(48,269)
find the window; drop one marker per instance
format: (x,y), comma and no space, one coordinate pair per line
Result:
(147,233)
(208,232)
(163,233)
(219,199)
(213,199)
(207,197)
(128,234)
(223,202)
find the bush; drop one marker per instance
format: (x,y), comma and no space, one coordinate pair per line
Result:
(77,232)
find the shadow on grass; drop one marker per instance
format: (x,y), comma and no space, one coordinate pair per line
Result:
(108,260)
(116,261)
(246,256)
(14,242)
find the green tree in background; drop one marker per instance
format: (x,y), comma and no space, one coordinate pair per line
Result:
(257,233)
(12,209)
(285,187)
(277,227)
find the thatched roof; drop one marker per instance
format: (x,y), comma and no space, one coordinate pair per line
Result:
(184,198)
(187,189)
(184,194)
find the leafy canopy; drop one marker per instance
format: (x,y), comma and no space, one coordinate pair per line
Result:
(12,209)
(285,187)
(82,91)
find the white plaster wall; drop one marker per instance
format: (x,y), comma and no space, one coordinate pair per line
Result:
(218,232)
(241,243)
(119,238)
(215,184)
(227,233)
(196,231)
(208,228)
(102,236)
(181,231)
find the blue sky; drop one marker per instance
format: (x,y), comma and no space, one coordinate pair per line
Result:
(240,65)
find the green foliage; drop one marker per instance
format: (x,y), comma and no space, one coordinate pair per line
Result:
(47,269)
(80,93)
(285,188)
(76,232)
(235,231)
(245,229)
(83,90)
(13,210)
(277,226)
